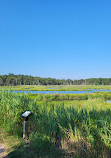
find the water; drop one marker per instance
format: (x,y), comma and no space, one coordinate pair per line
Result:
(108,101)
(63,92)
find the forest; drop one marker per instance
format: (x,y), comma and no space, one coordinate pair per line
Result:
(14,80)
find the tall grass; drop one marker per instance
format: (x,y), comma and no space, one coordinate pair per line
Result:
(11,108)
(84,124)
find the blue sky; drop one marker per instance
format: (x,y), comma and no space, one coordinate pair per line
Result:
(56,38)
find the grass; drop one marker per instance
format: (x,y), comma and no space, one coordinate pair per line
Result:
(67,128)
(10,142)
(56,87)
(69,97)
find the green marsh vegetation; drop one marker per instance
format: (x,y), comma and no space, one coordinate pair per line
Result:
(70,97)
(66,125)
(55,87)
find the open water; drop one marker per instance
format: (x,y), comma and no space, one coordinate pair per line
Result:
(64,92)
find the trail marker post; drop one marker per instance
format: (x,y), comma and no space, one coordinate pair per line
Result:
(25,116)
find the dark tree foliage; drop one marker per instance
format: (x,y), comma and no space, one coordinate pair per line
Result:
(13,80)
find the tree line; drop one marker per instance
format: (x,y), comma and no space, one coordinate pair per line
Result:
(14,80)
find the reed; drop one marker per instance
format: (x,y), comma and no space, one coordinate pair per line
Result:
(84,124)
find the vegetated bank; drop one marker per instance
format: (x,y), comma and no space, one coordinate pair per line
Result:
(61,97)
(56,87)
(80,128)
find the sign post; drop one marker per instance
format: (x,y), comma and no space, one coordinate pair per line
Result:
(25,116)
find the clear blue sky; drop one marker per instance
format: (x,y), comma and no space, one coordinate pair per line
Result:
(56,38)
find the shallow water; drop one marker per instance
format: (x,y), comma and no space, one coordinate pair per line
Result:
(63,92)
(108,101)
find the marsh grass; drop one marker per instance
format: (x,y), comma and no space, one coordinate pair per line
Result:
(56,87)
(80,128)
(70,97)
